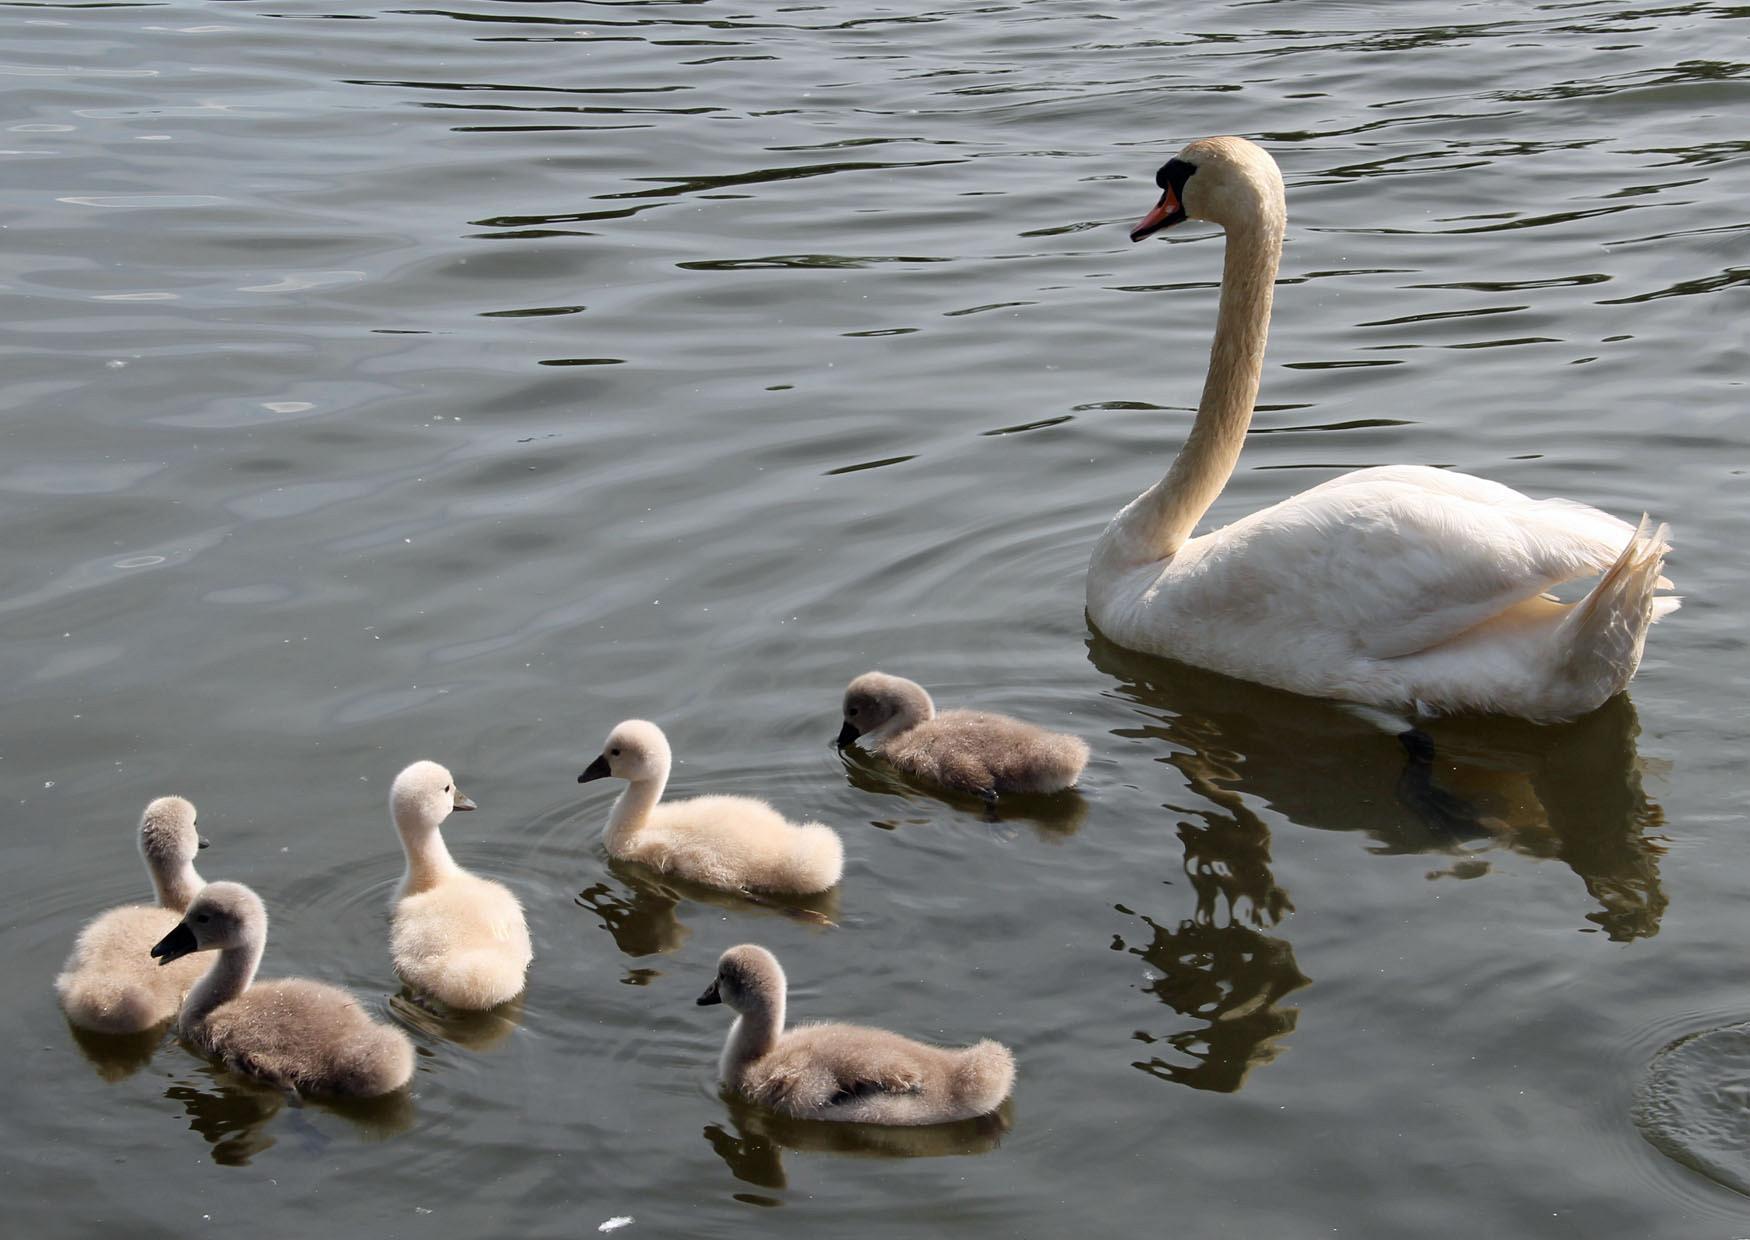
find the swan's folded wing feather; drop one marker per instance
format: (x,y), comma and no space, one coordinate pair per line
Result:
(1399,559)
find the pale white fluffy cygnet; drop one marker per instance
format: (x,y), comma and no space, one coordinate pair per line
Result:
(455,936)
(109,983)
(849,1073)
(293,1033)
(736,843)
(966,750)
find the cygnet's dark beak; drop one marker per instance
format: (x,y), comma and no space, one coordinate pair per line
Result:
(595,770)
(204,842)
(847,734)
(175,945)
(1165,214)
(464,801)
(710,996)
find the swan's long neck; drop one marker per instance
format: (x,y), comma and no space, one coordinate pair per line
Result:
(229,977)
(752,1036)
(428,857)
(177,885)
(1157,523)
(633,807)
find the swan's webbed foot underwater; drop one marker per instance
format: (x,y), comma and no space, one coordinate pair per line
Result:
(1449,816)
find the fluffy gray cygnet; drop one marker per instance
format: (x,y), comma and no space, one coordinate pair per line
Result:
(848,1073)
(964,750)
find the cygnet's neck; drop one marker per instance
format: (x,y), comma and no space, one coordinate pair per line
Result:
(229,977)
(428,858)
(176,883)
(753,1036)
(633,807)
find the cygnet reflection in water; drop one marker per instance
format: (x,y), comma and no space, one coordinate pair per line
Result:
(1568,791)
(235,1114)
(1054,817)
(116,1056)
(753,1152)
(470,1029)
(645,919)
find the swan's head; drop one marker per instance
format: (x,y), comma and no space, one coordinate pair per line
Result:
(222,915)
(636,751)
(168,838)
(875,700)
(1227,181)
(749,979)
(425,794)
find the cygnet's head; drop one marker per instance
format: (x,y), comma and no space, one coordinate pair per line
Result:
(168,838)
(749,979)
(636,751)
(875,700)
(1227,181)
(423,795)
(222,915)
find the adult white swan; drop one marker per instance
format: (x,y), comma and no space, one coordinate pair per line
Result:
(1398,586)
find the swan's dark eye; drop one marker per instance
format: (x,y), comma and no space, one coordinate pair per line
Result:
(1173,175)
(446,787)
(852,712)
(613,753)
(203,919)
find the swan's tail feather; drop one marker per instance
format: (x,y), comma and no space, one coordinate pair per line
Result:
(1601,640)
(983,1073)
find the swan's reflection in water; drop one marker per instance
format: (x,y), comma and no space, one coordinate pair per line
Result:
(641,912)
(753,1151)
(117,1056)
(1570,792)
(234,1114)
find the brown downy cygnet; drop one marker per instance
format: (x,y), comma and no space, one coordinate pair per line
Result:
(736,843)
(454,936)
(109,984)
(844,1072)
(966,750)
(293,1033)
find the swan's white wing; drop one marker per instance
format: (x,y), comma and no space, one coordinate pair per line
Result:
(1401,558)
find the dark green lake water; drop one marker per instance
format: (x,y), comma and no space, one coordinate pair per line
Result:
(453,382)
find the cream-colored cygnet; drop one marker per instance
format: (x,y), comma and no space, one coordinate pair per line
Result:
(293,1033)
(844,1072)
(736,843)
(966,750)
(455,936)
(109,983)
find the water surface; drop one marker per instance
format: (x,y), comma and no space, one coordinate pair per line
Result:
(456,381)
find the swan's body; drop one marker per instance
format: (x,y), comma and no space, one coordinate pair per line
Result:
(731,842)
(109,983)
(1395,586)
(455,936)
(292,1033)
(966,750)
(847,1073)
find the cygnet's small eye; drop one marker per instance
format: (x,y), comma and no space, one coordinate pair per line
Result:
(851,711)
(446,787)
(203,919)
(613,753)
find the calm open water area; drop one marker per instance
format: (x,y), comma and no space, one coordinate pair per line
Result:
(456,381)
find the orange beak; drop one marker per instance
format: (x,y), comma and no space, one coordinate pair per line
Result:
(1166,213)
